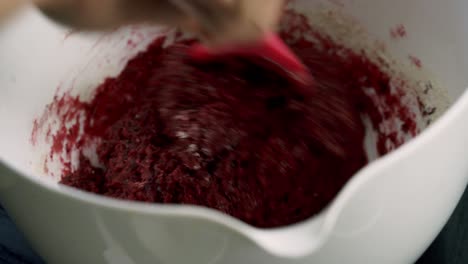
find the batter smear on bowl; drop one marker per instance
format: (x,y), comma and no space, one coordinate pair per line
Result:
(231,135)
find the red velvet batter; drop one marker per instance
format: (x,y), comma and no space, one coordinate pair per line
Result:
(230,135)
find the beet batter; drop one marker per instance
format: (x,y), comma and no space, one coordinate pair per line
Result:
(230,135)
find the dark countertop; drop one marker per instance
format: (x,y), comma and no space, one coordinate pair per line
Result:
(450,247)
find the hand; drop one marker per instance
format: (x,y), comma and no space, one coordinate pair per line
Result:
(215,21)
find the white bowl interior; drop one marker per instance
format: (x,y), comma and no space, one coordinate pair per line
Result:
(39,58)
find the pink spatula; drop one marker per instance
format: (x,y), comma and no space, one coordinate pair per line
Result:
(268,49)
(271,50)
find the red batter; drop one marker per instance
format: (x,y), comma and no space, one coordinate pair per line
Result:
(230,135)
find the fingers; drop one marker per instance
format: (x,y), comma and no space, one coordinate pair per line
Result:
(82,14)
(104,14)
(9,6)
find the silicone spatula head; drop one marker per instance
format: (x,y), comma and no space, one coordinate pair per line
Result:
(270,49)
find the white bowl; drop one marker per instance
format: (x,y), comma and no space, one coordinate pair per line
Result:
(388,213)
